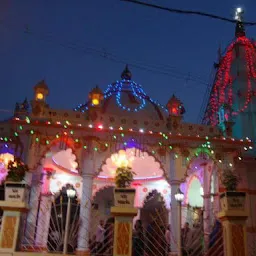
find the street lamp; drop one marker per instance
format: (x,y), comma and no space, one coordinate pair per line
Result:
(71,193)
(179,197)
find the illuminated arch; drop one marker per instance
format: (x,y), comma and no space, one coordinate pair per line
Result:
(199,153)
(149,154)
(68,142)
(192,179)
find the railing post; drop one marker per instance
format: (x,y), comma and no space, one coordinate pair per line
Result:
(123,230)
(233,217)
(10,225)
(123,212)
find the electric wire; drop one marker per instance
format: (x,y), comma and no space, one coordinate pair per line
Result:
(179,11)
(103,53)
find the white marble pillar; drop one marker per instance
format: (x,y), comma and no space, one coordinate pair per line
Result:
(207,205)
(174,219)
(43,224)
(85,215)
(31,220)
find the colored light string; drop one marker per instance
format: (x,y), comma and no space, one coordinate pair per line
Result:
(118,89)
(223,92)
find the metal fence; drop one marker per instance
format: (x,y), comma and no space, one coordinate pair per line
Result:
(44,230)
(251,243)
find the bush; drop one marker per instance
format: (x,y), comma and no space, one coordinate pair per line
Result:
(230,180)
(17,170)
(124,177)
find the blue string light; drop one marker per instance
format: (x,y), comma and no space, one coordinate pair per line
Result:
(117,88)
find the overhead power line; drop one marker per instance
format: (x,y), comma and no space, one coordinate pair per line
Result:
(103,53)
(188,12)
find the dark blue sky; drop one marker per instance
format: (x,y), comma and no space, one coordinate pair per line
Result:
(62,33)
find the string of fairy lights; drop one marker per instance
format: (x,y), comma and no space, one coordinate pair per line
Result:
(119,136)
(120,86)
(223,93)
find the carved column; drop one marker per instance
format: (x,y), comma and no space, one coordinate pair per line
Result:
(176,176)
(31,221)
(85,216)
(175,219)
(207,203)
(43,224)
(44,215)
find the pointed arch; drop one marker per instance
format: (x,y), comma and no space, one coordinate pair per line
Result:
(192,178)
(148,194)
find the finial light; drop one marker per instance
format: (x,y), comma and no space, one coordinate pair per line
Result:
(239,10)
(238,14)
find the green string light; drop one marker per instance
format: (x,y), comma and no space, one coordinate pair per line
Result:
(27,120)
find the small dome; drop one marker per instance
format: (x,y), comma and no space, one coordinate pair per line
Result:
(96,89)
(126,104)
(41,85)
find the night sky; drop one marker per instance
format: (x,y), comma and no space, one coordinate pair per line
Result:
(76,44)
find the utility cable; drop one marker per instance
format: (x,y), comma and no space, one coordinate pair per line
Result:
(173,10)
(84,48)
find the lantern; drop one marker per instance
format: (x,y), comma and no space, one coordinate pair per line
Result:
(175,106)
(41,91)
(96,96)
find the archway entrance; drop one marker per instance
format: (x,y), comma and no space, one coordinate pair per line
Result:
(101,206)
(154,210)
(58,222)
(154,217)
(102,223)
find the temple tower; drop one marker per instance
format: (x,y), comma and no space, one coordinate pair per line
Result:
(233,95)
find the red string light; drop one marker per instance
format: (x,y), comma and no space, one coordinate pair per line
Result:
(223,91)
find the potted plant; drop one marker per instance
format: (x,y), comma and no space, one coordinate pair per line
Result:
(124,194)
(231,199)
(15,186)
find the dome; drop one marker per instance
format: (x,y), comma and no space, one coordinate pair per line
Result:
(126,104)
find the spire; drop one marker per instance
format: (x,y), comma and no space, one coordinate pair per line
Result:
(219,53)
(126,74)
(240,31)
